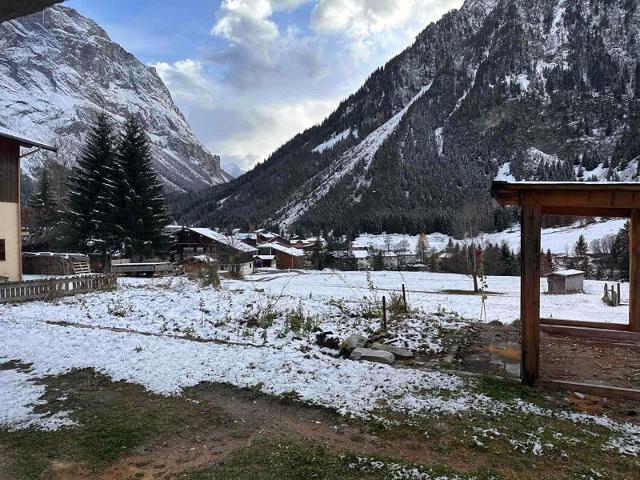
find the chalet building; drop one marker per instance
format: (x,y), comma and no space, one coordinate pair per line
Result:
(10,223)
(232,255)
(286,257)
(259,237)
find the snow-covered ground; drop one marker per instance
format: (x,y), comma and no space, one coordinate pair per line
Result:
(558,239)
(168,334)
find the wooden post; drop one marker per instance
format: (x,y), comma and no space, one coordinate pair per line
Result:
(404,298)
(530,293)
(384,313)
(634,272)
(618,291)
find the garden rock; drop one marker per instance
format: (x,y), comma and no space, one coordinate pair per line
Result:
(400,352)
(356,341)
(379,356)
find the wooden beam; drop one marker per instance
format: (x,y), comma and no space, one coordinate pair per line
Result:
(587,211)
(584,324)
(530,293)
(634,272)
(593,333)
(592,389)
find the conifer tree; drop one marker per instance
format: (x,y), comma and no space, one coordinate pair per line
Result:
(91,191)
(141,205)
(44,205)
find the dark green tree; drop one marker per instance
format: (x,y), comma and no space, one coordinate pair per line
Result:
(378,260)
(44,205)
(89,217)
(140,200)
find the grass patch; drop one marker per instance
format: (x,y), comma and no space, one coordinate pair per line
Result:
(298,459)
(514,444)
(114,418)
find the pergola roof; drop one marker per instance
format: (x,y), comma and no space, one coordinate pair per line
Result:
(611,199)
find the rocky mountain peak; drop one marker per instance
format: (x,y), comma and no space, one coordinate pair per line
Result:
(58,68)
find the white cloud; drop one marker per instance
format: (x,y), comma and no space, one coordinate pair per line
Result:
(267,82)
(367,24)
(186,81)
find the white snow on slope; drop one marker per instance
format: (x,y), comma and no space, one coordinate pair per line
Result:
(557,239)
(333,141)
(328,178)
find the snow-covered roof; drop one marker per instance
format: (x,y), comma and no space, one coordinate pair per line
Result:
(224,239)
(25,142)
(266,257)
(358,254)
(566,273)
(294,252)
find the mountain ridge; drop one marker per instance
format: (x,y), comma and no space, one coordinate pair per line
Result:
(59,68)
(541,89)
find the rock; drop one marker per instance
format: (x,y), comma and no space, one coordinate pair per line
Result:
(397,351)
(379,356)
(328,340)
(356,341)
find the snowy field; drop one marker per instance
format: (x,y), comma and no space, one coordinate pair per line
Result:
(168,334)
(559,240)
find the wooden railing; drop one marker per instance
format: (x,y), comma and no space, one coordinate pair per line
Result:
(32,290)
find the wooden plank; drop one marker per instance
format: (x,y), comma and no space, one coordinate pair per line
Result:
(592,333)
(530,293)
(587,211)
(579,323)
(592,389)
(634,272)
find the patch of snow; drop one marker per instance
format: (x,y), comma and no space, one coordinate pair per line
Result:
(504,173)
(333,141)
(19,394)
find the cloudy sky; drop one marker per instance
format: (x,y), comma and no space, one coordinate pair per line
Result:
(250,74)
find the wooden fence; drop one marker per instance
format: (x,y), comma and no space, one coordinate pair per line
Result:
(32,290)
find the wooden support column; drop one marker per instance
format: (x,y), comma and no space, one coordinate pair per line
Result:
(634,272)
(530,293)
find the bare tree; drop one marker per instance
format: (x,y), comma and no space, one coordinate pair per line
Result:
(469,223)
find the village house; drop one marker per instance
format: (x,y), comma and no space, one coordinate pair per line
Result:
(258,237)
(286,257)
(10,223)
(231,254)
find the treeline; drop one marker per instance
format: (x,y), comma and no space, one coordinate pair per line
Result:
(111,201)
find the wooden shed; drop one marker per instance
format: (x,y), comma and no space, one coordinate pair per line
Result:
(565,281)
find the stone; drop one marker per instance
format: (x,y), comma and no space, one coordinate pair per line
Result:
(400,352)
(379,356)
(356,341)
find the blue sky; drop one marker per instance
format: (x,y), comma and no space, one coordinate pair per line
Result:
(250,74)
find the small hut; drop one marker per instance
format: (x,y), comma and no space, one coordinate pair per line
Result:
(565,281)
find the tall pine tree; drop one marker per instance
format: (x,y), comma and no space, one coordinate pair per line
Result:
(44,205)
(141,203)
(91,187)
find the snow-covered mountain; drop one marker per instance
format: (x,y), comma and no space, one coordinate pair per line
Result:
(58,68)
(525,89)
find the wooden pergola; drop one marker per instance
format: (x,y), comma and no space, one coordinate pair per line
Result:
(568,198)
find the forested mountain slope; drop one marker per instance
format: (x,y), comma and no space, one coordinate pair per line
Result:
(535,89)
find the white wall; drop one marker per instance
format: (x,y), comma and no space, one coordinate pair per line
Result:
(10,232)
